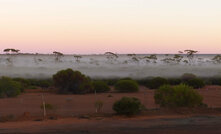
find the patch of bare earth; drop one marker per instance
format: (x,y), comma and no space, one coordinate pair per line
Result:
(68,108)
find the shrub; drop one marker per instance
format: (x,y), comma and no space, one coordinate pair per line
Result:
(9,88)
(174,81)
(24,83)
(177,96)
(215,80)
(188,76)
(127,106)
(98,105)
(47,106)
(127,86)
(69,81)
(195,83)
(155,83)
(43,83)
(100,86)
(110,82)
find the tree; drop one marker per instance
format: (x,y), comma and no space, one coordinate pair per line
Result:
(150,58)
(11,52)
(58,56)
(177,58)
(190,55)
(217,59)
(77,58)
(111,57)
(69,81)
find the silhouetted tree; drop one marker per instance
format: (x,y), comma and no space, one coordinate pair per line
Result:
(58,56)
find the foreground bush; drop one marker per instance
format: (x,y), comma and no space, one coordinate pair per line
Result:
(9,88)
(126,86)
(155,83)
(100,87)
(69,81)
(177,96)
(127,106)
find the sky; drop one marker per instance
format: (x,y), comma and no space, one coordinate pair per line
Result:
(119,26)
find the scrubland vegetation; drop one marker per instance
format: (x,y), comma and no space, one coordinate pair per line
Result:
(169,92)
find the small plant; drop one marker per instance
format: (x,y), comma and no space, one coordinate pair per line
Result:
(69,81)
(47,106)
(98,105)
(155,83)
(100,87)
(127,86)
(6,118)
(177,96)
(110,95)
(127,106)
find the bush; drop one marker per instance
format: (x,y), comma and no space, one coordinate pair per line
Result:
(47,106)
(9,88)
(43,83)
(188,76)
(69,81)
(174,81)
(110,82)
(155,83)
(126,86)
(215,80)
(24,83)
(195,83)
(100,86)
(127,106)
(177,96)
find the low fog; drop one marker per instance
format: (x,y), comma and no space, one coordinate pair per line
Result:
(108,66)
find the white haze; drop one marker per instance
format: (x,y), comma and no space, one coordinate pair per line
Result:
(98,66)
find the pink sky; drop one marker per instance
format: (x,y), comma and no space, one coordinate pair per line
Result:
(120,26)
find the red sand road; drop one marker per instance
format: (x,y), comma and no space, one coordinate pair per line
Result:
(70,105)
(136,125)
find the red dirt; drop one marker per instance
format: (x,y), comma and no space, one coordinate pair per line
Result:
(71,105)
(160,121)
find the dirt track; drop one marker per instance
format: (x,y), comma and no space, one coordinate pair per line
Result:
(162,125)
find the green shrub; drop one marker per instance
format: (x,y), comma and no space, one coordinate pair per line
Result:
(155,83)
(127,86)
(9,88)
(100,86)
(43,83)
(177,96)
(111,81)
(69,81)
(24,83)
(174,81)
(127,106)
(195,83)
(215,80)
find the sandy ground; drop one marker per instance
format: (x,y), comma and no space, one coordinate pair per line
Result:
(69,107)
(73,105)
(138,125)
